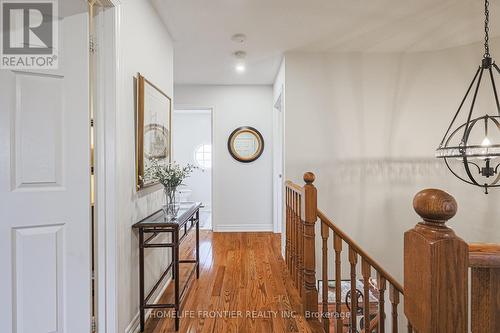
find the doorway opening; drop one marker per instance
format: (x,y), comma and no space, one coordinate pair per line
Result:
(193,145)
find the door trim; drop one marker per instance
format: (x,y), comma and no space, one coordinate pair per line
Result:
(278,166)
(107,81)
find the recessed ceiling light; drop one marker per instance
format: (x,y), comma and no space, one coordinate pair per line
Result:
(240,68)
(239,38)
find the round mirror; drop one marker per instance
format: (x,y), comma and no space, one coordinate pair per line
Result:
(245,144)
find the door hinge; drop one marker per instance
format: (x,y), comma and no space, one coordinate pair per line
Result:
(92,45)
(93,325)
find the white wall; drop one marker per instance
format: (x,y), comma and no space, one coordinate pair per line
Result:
(145,47)
(191,129)
(242,198)
(368,126)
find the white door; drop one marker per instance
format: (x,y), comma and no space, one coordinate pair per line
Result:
(44,190)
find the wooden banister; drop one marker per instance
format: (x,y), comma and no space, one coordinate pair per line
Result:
(485,255)
(357,254)
(436,263)
(435,267)
(360,251)
(341,315)
(484,260)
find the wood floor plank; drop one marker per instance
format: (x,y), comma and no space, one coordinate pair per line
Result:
(244,287)
(218,281)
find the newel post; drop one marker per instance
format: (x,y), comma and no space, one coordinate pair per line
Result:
(484,260)
(435,267)
(309,217)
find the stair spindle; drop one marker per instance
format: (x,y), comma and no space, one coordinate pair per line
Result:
(381,285)
(366,271)
(324,235)
(294,238)
(394,298)
(337,245)
(300,258)
(288,233)
(353,260)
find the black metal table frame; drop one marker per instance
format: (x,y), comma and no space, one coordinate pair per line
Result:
(173,229)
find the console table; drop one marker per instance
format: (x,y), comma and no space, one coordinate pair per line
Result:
(154,225)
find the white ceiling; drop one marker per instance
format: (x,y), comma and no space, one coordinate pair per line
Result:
(202,31)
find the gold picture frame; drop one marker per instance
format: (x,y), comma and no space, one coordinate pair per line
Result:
(153,129)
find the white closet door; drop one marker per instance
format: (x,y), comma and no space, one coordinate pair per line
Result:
(44,190)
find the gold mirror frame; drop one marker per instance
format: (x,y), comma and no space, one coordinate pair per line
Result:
(234,153)
(165,131)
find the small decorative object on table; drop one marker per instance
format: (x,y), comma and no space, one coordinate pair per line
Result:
(170,175)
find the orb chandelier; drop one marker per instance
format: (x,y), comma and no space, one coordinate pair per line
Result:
(471,149)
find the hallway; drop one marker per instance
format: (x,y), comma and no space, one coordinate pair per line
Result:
(243,287)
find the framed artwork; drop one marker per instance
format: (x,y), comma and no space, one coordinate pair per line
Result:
(153,124)
(245,144)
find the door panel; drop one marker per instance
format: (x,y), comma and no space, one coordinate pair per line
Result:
(45,190)
(38,149)
(38,285)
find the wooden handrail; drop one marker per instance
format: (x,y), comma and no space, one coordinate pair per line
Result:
(486,255)
(293,186)
(360,251)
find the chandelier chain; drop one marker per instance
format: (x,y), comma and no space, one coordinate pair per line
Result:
(486,29)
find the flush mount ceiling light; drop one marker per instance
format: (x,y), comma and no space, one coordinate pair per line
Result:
(240,68)
(240,63)
(476,143)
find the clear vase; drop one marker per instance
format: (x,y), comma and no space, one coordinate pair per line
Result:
(171,205)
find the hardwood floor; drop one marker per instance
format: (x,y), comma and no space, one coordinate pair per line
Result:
(243,287)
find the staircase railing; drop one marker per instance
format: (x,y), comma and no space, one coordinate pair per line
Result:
(436,264)
(340,315)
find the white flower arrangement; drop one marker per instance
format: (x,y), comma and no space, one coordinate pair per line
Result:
(170,175)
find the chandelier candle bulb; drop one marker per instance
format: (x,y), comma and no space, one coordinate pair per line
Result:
(486,142)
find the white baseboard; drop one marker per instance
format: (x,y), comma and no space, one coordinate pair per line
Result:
(134,325)
(244,228)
